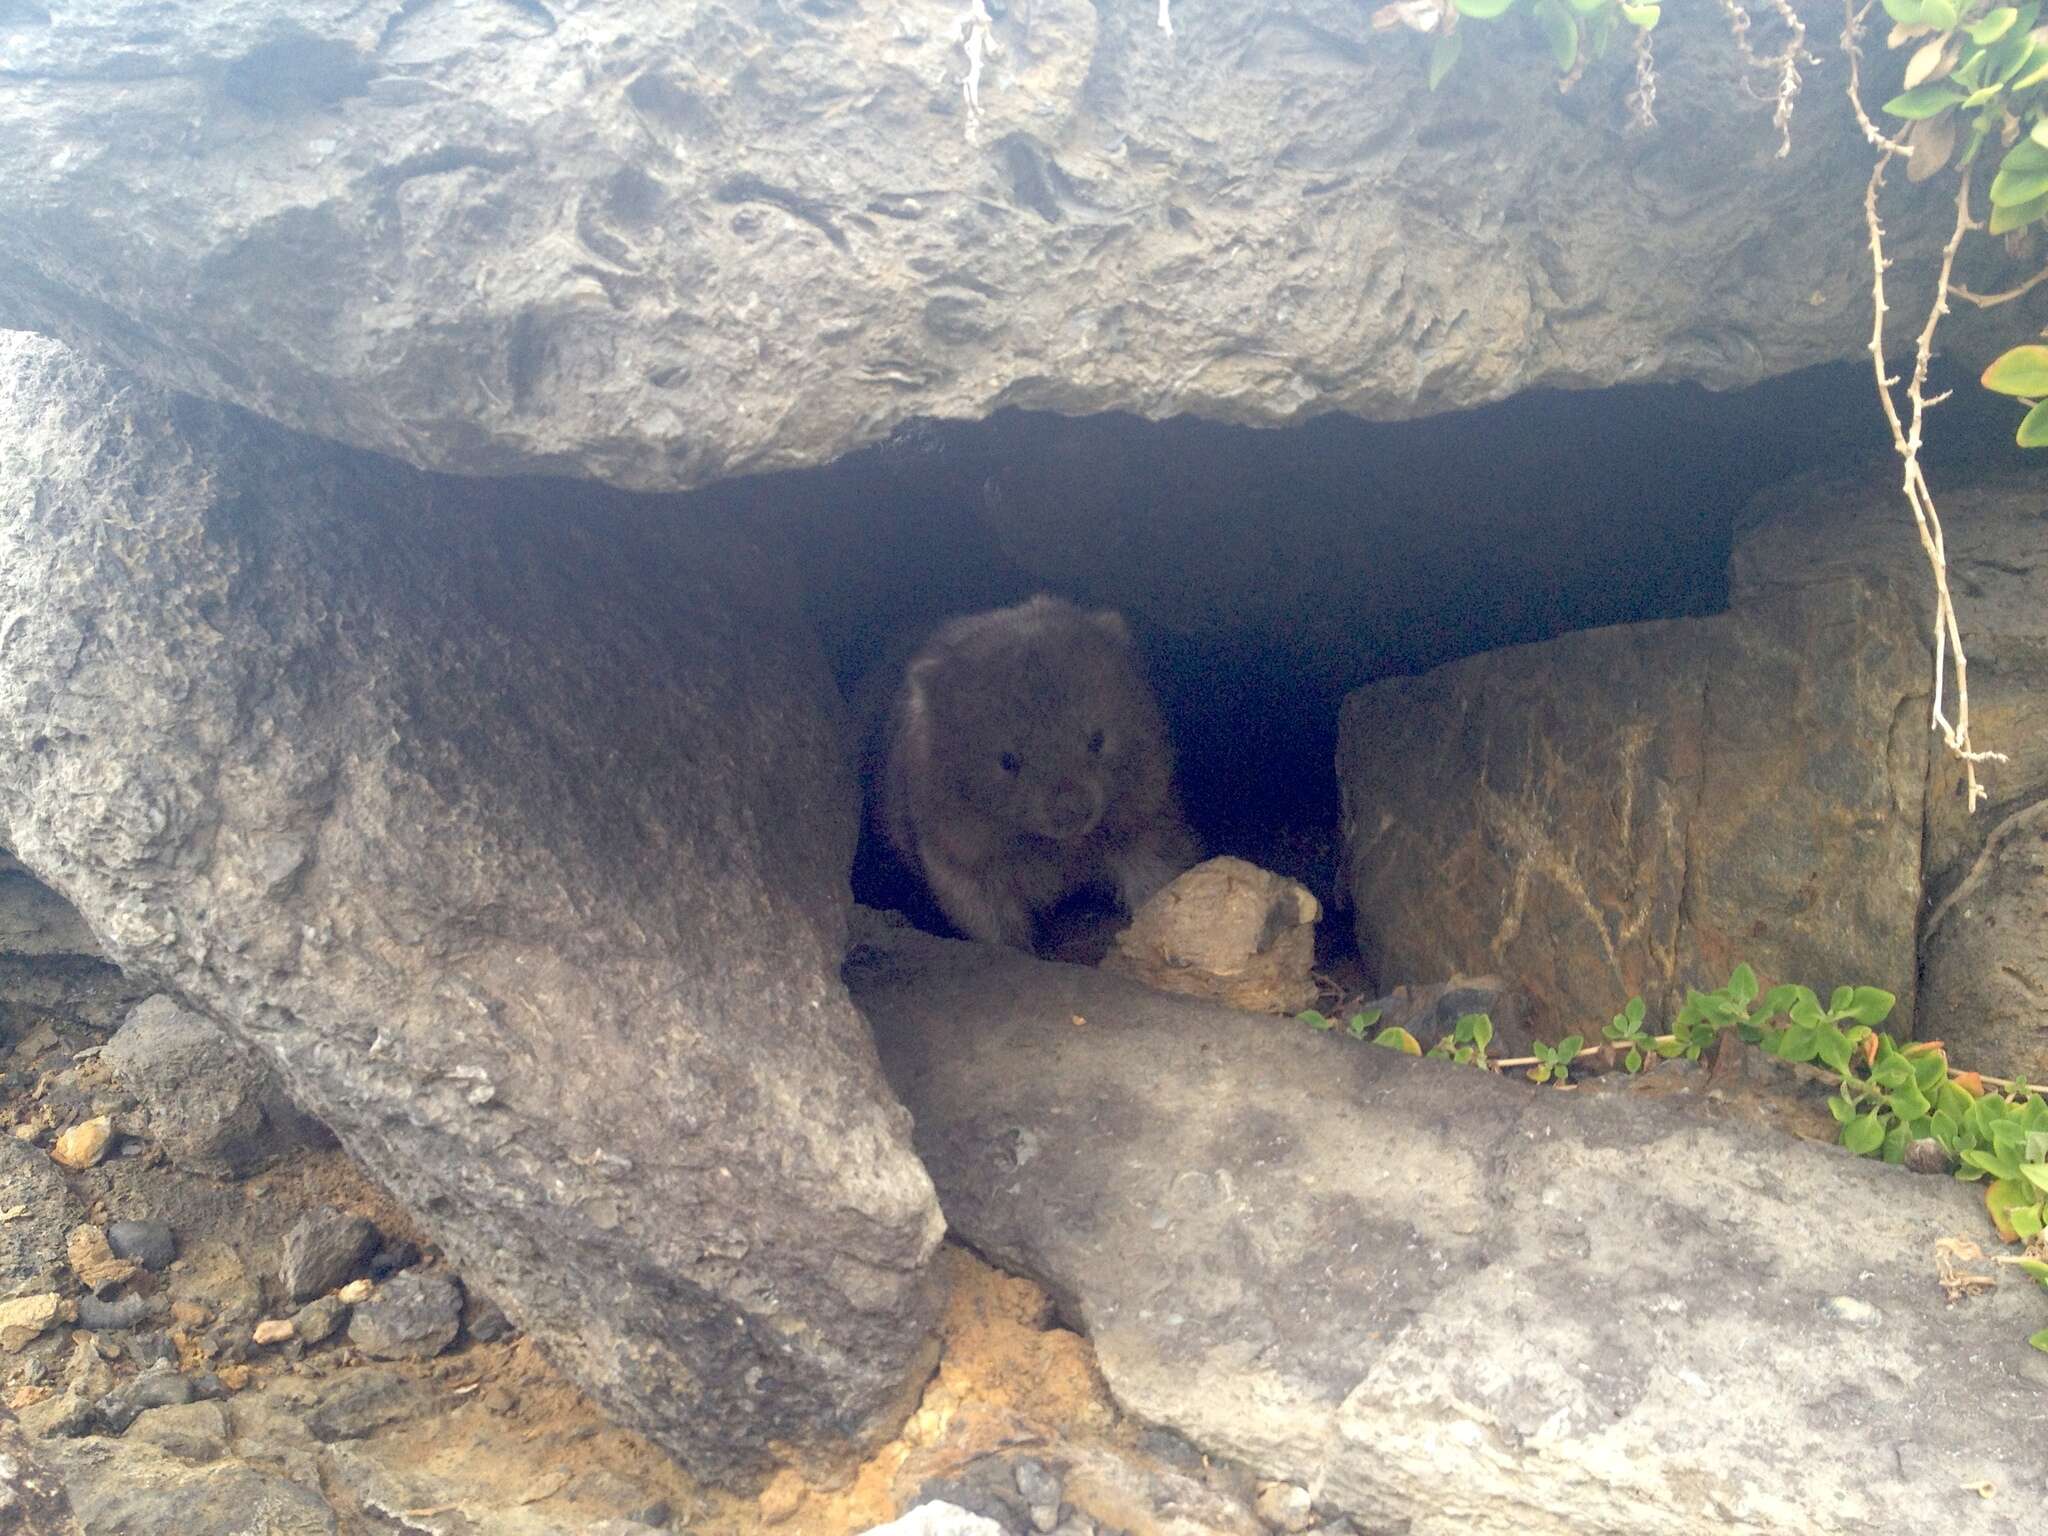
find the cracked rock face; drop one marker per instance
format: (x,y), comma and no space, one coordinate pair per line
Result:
(659,245)
(508,821)
(1640,808)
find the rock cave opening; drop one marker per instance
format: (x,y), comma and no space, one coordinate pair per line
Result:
(1267,573)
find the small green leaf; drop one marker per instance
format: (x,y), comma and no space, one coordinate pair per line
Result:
(2035,1174)
(1994,25)
(2026,1221)
(1315,1020)
(1633,1061)
(2039,1340)
(1863,1135)
(1895,1145)
(2010,216)
(1482,10)
(1588,7)
(2031,74)
(1841,1109)
(2001,1198)
(1634,1011)
(1909,1103)
(2004,1168)
(1891,1071)
(1939,14)
(1644,16)
(2033,432)
(2021,174)
(1560,30)
(1905,12)
(1832,1046)
(1925,100)
(1777,1000)
(1570,1046)
(1801,1043)
(1397,1038)
(2033,1267)
(1742,984)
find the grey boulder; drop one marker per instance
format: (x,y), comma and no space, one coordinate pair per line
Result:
(1450,1304)
(508,821)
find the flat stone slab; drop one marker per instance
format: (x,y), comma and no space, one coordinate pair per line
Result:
(1450,1303)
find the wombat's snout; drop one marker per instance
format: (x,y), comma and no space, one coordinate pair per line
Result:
(1072,808)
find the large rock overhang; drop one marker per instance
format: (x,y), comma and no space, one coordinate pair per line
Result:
(660,246)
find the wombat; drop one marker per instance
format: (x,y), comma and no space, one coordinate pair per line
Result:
(1027,760)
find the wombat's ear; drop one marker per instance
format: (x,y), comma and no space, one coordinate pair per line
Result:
(1112,624)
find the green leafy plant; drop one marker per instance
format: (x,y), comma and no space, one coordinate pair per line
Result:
(1887,1096)
(1575,31)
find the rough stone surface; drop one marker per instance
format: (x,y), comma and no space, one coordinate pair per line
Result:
(214,1104)
(1228,931)
(32,1497)
(1638,809)
(1983,985)
(32,1245)
(1451,1303)
(413,1316)
(510,821)
(324,1249)
(760,234)
(196,1432)
(118,1489)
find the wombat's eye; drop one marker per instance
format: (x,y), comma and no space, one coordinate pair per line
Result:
(1010,763)
(1095,744)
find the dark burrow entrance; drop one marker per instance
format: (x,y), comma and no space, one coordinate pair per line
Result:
(1266,573)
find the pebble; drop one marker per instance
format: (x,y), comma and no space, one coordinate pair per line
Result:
(1041,1490)
(274,1330)
(1852,1310)
(1927,1156)
(84,1144)
(355,1293)
(149,1243)
(1285,1507)
(414,1316)
(323,1249)
(112,1316)
(317,1321)
(92,1260)
(26,1318)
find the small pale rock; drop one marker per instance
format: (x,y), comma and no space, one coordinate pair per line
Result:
(149,1243)
(84,1144)
(190,1314)
(355,1293)
(274,1330)
(1228,931)
(938,1518)
(93,1261)
(1285,1507)
(316,1321)
(1853,1311)
(27,1318)
(783,1496)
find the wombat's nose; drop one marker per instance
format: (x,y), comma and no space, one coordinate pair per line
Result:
(1073,809)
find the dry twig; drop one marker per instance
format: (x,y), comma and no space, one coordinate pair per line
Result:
(1907,432)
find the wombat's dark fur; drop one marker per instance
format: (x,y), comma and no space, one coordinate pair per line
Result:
(1027,759)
